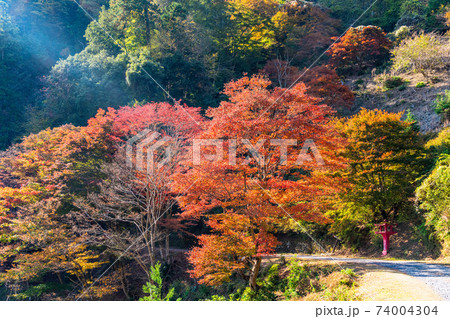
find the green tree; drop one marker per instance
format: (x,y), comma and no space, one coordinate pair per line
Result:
(434,196)
(385,158)
(155,287)
(384,14)
(78,86)
(161,40)
(19,78)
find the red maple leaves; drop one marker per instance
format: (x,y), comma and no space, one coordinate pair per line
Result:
(360,48)
(247,200)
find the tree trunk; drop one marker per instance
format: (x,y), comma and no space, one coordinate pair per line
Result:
(152,248)
(147,24)
(254,274)
(161,251)
(58,274)
(123,280)
(167,247)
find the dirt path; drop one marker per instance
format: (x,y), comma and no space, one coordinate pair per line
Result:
(436,277)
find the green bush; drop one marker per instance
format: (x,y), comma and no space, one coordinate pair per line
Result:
(401,34)
(295,281)
(434,196)
(440,144)
(154,288)
(421,85)
(442,104)
(36,292)
(272,283)
(217,298)
(262,294)
(298,281)
(393,82)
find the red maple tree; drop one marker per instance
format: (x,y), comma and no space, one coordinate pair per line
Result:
(323,82)
(43,175)
(359,49)
(250,191)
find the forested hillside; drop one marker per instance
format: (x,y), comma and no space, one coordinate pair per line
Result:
(355,93)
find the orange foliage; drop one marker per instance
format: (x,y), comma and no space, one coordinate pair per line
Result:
(48,169)
(360,48)
(323,82)
(306,29)
(245,202)
(281,73)
(128,121)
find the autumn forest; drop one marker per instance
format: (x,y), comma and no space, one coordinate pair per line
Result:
(164,150)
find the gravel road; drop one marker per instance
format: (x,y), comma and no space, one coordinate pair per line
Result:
(434,275)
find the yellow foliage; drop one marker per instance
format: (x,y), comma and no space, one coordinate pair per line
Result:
(82,260)
(256,4)
(442,141)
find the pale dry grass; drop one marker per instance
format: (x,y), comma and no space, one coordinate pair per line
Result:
(389,285)
(376,283)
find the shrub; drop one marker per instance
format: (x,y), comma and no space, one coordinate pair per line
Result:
(393,82)
(440,144)
(342,293)
(154,288)
(422,53)
(400,34)
(217,298)
(421,85)
(262,294)
(271,283)
(303,279)
(350,276)
(336,286)
(359,49)
(273,279)
(442,104)
(434,195)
